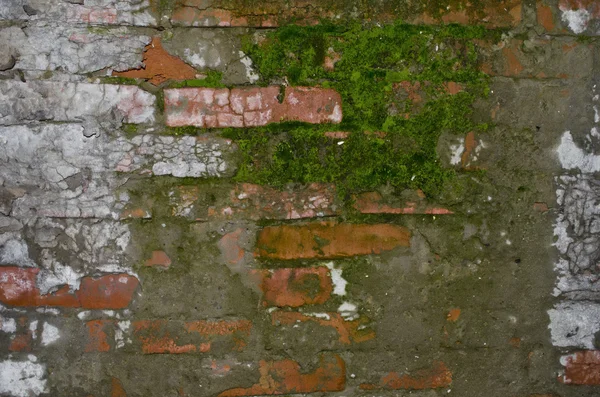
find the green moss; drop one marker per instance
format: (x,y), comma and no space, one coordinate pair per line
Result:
(130,130)
(213,79)
(373,62)
(118,80)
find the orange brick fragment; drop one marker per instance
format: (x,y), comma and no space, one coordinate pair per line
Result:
(160,66)
(286,377)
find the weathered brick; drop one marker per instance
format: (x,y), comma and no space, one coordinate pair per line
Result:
(176,337)
(582,368)
(255,202)
(504,13)
(295,287)
(287,377)
(97,338)
(536,58)
(490,13)
(353,331)
(431,378)
(577,16)
(112,291)
(160,66)
(117,388)
(329,240)
(374,203)
(159,259)
(250,107)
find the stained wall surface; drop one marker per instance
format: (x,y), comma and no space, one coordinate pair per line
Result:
(289,197)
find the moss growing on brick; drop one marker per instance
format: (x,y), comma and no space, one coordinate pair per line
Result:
(389,143)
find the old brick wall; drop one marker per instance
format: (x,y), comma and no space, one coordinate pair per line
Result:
(180,215)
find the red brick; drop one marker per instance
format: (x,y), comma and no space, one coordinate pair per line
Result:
(21,342)
(135,213)
(248,107)
(230,247)
(113,291)
(176,337)
(373,203)
(431,378)
(287,377)
(97,338)
(349,331)
(329,240)
(545,16)
(492,14)
(259,202)
(159,259)
(582,368)
(453,315)
(117,389)
(160,66)
(296,287)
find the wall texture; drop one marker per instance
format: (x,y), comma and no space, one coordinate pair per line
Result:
(289,197)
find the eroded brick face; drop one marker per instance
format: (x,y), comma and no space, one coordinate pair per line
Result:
(250,107)
(329,240)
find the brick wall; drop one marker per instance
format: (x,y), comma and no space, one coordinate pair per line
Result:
(146,249)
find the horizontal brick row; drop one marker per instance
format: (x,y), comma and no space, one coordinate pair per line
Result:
(250,107)
(286,377)
(168,336)
(329,240)
(213,13)
(113,291)
(255,202)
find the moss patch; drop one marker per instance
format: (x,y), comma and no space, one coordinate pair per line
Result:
(389,143)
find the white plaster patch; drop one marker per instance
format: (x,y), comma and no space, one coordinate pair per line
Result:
(577,20)
(324,316)
(122,330)
(57,276)
(22,378)
(33,328)
(251,74)
(8,325)
(349,311)
(574,324)
(50,334)
(573,157)
(15,252)
(457,150)
(339,283)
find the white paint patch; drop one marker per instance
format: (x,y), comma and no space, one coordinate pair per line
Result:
(577,20)
(123,328)
(57,275)
(195,59)
(574,324)
(251,74)
(83,315)
(50,334)
(33,328)
(349,311)
(573,157)
(15,252)
(22,378)
(457,150)
(8,325)
(48,310)
(339,283)
(324,316)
